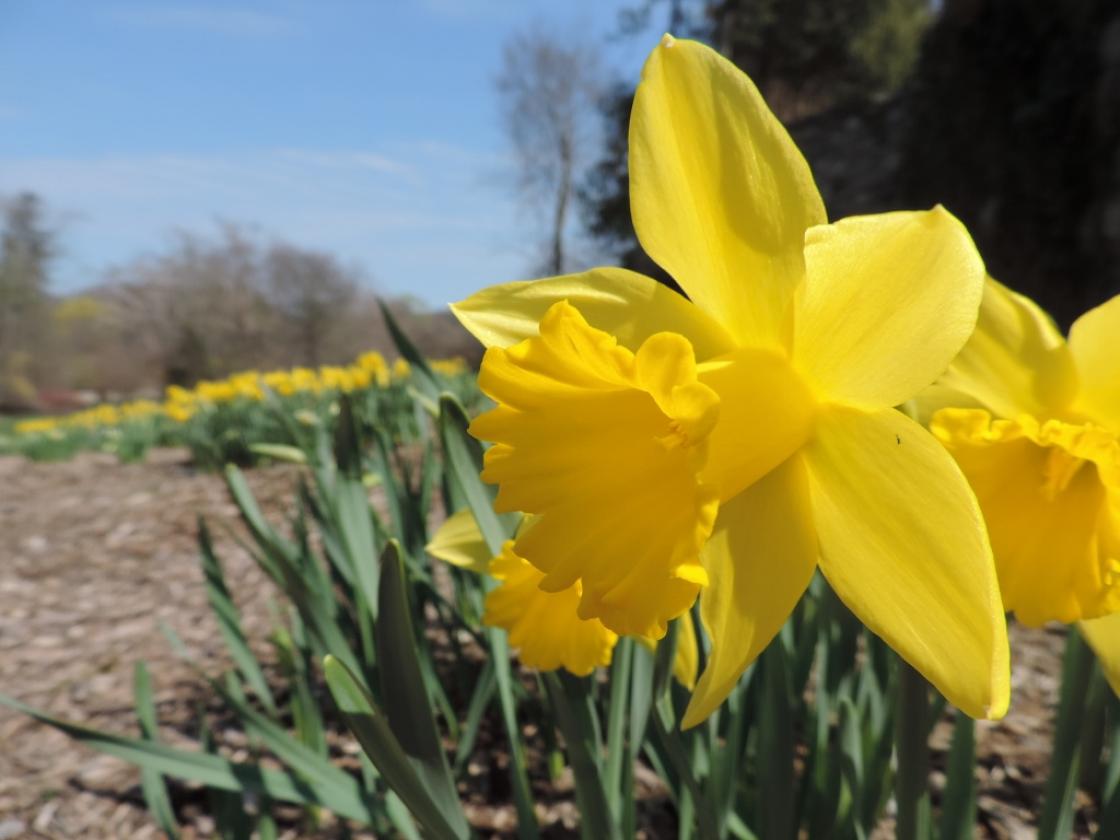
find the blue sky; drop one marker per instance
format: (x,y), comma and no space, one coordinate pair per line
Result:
(368,129)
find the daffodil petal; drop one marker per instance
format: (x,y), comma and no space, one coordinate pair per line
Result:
(544,626)
(888,301)
(720,195)
(903,544)
(628,305)
(1103,636)
(765,415)
(1094,340)
(607,446)
(760,558)
(1050,494)
(459,542)
(1016,362)
(687,656)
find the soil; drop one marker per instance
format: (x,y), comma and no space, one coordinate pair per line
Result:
(95,556)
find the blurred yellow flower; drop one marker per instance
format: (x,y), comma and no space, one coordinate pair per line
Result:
(178,411)
(455,366)
(374,363)
(729,441)
(36,425)
(1038,439)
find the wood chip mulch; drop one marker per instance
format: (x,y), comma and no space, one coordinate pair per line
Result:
(95,555)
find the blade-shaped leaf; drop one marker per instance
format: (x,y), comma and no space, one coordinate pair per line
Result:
(346,800)
(407,704)
(229,619)
(426,382)
(375,734)
(464,463)
(151,782)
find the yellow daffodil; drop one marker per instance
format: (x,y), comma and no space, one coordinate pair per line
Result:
(36,425)
(729,441)
(1039,439)
(544,626)
(452,367)
(374,364)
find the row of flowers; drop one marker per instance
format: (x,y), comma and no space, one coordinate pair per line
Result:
(181,404)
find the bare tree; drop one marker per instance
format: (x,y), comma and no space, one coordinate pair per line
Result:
(199,308)
(312,293)
(548,89)
(212,304)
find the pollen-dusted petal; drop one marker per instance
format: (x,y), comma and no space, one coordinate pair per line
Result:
(544,626)
(606,446)
(628,305)
(1094,340)
(720,195)
(1050,493)
(459,542)
(888,301)
(760,559)
(903,544)
(1016,362)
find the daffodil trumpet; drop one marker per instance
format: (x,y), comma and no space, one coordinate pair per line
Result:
(1033,420)
(543,626)
(727,443)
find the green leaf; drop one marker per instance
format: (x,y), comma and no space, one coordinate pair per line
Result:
(522,795)
(484,690)
(575,714)
(346,800)
(776,745)
(151,782)
(1056,822)
(619,795)
(375,734)
(669,739)
(279,452)
(464,463)
(912,781)
(407,703)
(958,808)
(425,380)
(229,620)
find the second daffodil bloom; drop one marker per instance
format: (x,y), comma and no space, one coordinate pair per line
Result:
(1036,429)
(727,442)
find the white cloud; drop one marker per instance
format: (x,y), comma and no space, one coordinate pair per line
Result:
(418,217)
(342,160)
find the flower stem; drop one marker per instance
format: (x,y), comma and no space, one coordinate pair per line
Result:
(1065,761)
(911,786)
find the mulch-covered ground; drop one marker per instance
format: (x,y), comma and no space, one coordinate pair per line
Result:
(95,555)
